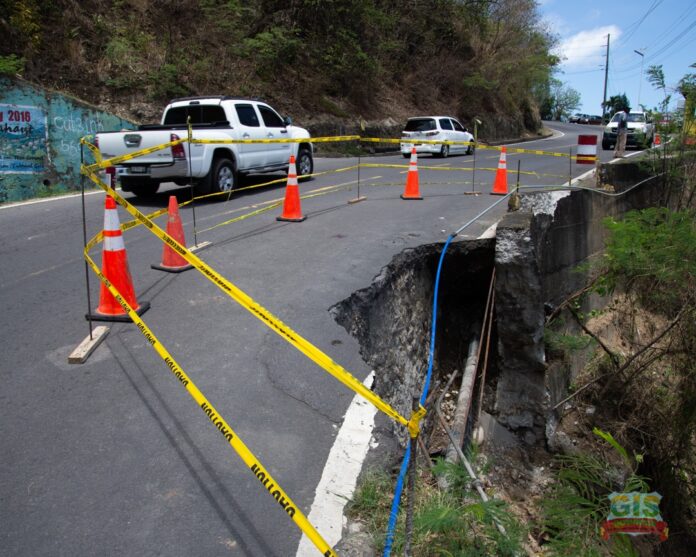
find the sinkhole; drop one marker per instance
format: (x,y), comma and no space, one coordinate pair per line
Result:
(391,319)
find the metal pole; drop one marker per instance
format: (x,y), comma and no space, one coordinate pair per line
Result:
(359,164)
(411,490)
(84,237)
(570,165)
(640,83)
(606,77)
(193,202)
(473,171)
(517,188)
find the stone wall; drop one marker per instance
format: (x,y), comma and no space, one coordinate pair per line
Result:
(40,135)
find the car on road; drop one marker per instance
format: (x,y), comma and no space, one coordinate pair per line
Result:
(640,130)
(214,161)
(577,117)
(435,128)
(593,119)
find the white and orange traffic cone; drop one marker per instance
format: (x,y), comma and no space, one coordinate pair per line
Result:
(115,269)
(500,185)
(173,262)
(292,211)
(412,191)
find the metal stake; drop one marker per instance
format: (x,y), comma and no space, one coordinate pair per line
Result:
(193,202)
(411,489)
(570,165)
(517,188)
(84,237)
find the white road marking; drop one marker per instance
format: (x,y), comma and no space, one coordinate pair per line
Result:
(340,474)
(489,233)
(47,199)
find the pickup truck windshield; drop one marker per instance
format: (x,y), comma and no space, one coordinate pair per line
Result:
(200,114)
(630,118)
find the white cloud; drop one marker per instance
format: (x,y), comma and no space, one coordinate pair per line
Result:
(584,50)
(555,24)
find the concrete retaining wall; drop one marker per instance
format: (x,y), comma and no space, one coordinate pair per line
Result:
(538,252)
(40,135)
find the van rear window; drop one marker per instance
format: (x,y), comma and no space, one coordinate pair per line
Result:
(420,125)
(199,113)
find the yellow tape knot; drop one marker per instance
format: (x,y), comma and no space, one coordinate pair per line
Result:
(414,423)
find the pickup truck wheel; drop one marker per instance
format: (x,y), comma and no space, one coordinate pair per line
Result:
(222,176)
(305,164)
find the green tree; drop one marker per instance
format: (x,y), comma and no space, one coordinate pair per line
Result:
(563,99)
(656,76)
(617,103)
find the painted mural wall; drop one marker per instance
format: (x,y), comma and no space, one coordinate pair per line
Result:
(40,135)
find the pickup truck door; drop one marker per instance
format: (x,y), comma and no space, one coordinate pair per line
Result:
(276,153)
(252,155)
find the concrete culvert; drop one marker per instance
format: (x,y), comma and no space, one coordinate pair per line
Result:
(391,318)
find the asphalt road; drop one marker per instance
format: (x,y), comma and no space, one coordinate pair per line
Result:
(113,456)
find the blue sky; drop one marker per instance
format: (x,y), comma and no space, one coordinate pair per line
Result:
(663,30)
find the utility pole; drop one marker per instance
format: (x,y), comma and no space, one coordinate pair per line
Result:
(606,77)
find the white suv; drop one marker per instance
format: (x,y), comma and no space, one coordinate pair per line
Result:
(434,128)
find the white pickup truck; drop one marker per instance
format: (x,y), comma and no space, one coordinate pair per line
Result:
(213,167)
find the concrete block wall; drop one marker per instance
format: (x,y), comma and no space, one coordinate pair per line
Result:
(40,135)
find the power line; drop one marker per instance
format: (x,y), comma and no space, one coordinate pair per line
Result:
(636,25)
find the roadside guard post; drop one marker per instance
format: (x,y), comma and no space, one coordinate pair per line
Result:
(587,149)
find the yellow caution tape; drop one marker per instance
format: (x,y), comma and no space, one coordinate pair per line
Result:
(93,148)
(448,142)
(294,140)
(252,462)
(258,311)
(101,163)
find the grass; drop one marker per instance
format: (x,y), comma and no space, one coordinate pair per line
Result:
(446,523)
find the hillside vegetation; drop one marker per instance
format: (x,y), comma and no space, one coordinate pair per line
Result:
(321,61)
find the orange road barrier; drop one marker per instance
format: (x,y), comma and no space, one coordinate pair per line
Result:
(172,262)
(292,211)
(115,269)
(412,190)
(500,185)
(587,149)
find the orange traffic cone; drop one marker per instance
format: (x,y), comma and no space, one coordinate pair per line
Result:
(656,140)
(172,262)
(291,206)
(411,191)
(115,269)
(500,185)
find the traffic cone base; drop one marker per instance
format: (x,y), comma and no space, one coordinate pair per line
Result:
(291,205)
(118,318)
(412,191)
(500,185)
(172,262)
(303,217)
